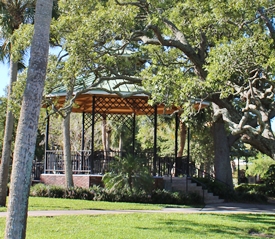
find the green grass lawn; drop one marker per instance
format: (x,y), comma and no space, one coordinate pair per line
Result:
(40,203)
(139,225)
(153,225)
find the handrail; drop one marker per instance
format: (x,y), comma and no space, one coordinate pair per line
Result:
(204,187)
(213,178)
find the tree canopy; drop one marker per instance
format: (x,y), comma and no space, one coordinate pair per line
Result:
(217,50)
(180,51)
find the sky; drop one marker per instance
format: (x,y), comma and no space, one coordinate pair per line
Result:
(4,77)
(4,69)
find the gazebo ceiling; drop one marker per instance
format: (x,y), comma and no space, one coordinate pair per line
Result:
(114,104)
(111,97)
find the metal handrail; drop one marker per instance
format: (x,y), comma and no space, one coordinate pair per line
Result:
(204,186)
(214,179)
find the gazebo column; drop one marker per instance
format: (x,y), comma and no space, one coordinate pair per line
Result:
(155,140)
(93,135)
(134,132)
(188,150)
(83,132)
(176,144)
(83,141)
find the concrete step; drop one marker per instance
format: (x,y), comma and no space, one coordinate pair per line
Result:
(181,185)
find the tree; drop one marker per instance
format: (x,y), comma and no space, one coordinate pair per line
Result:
(142,24)
(28,124)
(219,51)
(3,107)
(13,14)
(67,150)
(259,165)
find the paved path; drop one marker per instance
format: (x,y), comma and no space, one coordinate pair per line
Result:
(210,208)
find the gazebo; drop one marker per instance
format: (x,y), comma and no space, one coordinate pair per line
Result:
(118,101)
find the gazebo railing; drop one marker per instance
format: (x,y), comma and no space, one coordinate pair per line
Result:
(54,161)
(84,162)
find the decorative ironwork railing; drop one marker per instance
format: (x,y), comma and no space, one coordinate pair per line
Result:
(84,162)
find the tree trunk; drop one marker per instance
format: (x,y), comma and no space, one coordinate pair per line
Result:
(67,135)
(67,152)
(16,221)
(106,137)
(103,133)
(120,144)
(222,154)
(183,134)
(6,151)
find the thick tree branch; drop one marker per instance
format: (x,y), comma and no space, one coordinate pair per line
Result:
(268,22)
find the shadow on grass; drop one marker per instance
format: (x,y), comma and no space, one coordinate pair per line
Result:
(219,226)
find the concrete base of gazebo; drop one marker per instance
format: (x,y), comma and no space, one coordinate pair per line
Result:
(85,180)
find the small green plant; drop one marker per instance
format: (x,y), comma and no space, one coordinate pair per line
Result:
(128,174)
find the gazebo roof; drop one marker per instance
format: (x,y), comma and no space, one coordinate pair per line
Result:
(110,97)
(103,87)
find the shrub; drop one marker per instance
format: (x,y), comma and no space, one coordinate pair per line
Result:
(98,193)
(56,192)
(165,197)
(78,193)
(269,180)
(251,193)
(39,190)
(251,197)
(251,188)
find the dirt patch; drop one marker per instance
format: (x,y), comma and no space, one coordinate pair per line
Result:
(256,233)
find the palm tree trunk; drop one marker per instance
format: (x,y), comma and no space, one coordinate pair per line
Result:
(6,151)
(16,221)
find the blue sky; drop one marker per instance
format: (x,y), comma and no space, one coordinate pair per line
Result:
(4,69)
(4,74)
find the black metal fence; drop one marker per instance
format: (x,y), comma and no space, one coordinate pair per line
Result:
(84,162)
(99,162)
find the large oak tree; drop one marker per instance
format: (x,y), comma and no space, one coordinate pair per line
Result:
(221,51)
